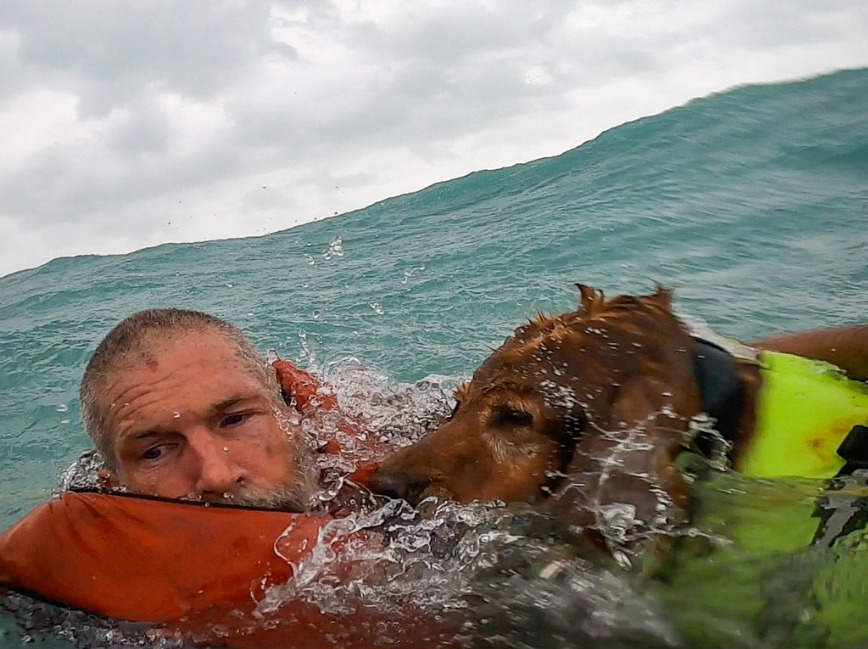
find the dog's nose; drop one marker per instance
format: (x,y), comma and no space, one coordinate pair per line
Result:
(394,484)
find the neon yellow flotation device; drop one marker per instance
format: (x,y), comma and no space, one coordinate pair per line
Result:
(805,409)
(762,550)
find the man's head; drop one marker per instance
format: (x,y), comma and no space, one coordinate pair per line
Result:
(180,404)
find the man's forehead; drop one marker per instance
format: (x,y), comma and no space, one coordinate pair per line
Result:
(184,374)
(157,347)
(213,361)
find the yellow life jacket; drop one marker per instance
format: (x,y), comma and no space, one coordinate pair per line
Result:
(805,409)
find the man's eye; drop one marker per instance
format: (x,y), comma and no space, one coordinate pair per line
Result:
(153,453)
(233,420)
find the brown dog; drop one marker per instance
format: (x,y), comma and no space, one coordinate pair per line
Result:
(589,409)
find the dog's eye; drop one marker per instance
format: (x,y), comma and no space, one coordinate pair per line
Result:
(508,416)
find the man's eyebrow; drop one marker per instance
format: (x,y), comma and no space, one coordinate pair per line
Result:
(213,411)
(143,434)
(219,407)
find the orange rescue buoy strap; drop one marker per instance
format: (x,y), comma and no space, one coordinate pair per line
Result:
(150,560)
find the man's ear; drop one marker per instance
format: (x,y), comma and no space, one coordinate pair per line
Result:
(108,479)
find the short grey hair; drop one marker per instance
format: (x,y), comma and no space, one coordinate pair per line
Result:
(133,338)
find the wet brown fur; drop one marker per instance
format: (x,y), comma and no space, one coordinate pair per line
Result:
(582,410)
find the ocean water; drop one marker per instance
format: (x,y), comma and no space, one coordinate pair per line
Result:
(752,204)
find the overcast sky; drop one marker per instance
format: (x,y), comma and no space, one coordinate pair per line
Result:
(125,123)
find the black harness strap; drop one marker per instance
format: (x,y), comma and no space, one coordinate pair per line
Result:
(841,514)
(854,450)
(721,390)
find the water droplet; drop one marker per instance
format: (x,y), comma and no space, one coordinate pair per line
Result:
(316,314)
(228,284)
(176,415)
(62,407)
(310,260)
(409,271)
(225,449)
(336,246)
(377,307)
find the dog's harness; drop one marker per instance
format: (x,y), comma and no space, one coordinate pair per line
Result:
(810,422)
(808,414)
(842,513)
(805,411)
(721,391)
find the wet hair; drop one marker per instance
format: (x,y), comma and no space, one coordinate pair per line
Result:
(133,340)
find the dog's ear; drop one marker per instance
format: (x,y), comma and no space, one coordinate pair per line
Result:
(591,299)
(461,394)
(662,297)
(625,464)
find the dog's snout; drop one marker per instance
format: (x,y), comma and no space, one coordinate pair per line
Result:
(396,484)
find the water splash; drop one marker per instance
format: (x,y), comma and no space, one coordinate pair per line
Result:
(408,272)
(497,574)
(335,249)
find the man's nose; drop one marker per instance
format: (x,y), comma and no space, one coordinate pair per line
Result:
(218,475)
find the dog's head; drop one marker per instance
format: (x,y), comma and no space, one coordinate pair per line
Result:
(585,409)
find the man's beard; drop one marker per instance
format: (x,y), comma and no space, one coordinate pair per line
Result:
(294,497)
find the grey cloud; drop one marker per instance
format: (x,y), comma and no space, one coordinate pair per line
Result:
(111,51)
(449,72)
(145,132)
(454,38)
(433,75)
(11,77)
(801,23)
(68,186)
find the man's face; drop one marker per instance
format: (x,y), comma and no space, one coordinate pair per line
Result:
(189,420)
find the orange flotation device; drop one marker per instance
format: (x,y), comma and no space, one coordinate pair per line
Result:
(149,560)
(193,571)
(185,565)
(312,399)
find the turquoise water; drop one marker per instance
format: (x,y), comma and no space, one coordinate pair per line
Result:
(752,204)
